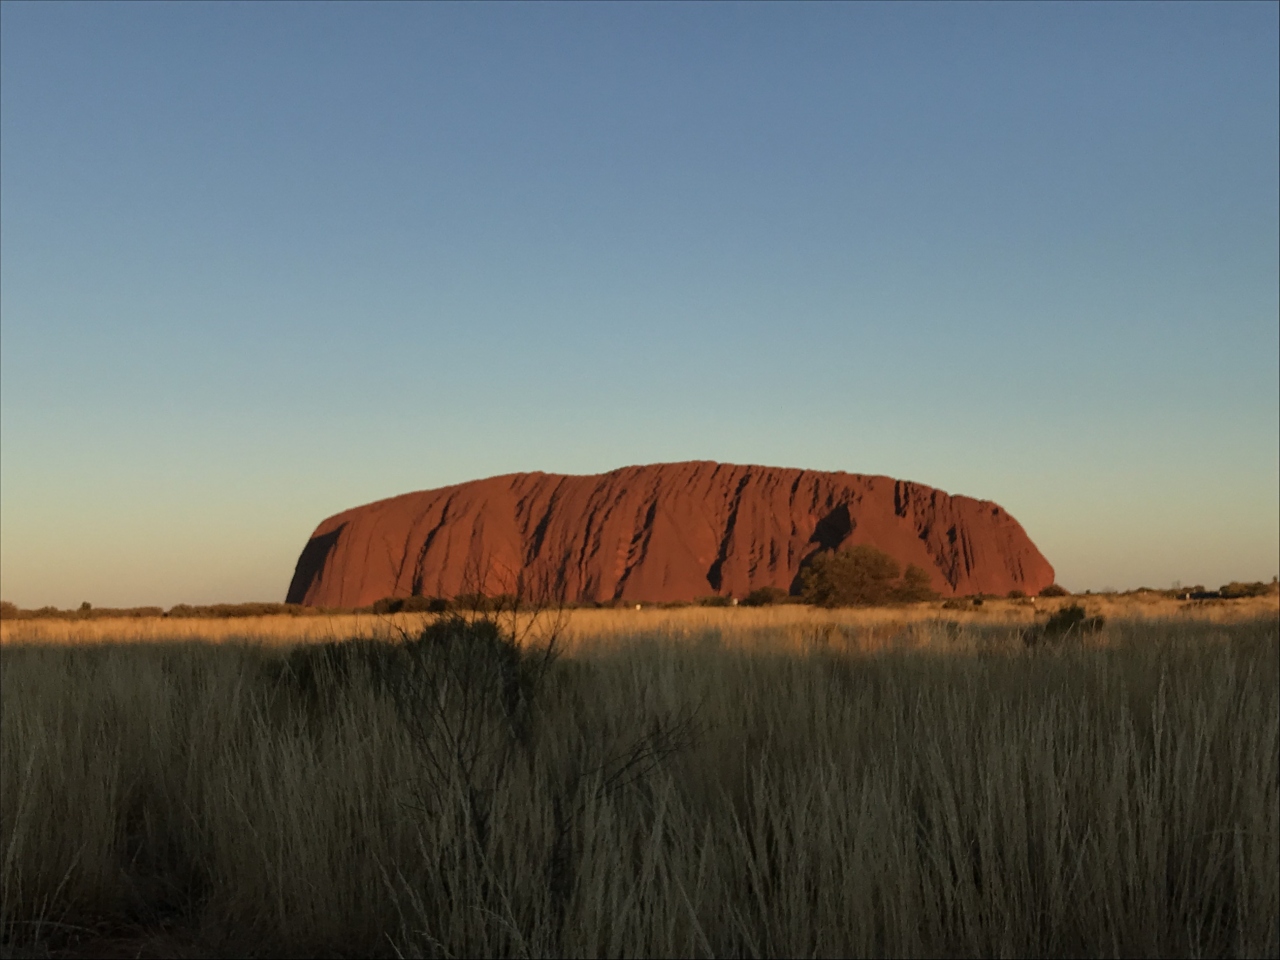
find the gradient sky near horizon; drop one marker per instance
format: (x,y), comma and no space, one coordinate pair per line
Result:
(263,262)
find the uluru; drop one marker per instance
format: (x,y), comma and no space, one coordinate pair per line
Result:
(659,533)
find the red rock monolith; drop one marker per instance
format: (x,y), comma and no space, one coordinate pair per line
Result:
(666,532)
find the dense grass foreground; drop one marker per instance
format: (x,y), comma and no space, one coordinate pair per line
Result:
(455,796)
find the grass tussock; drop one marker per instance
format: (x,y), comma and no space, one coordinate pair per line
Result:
(955,793)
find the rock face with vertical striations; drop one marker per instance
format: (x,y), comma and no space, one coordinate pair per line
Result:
(671,531)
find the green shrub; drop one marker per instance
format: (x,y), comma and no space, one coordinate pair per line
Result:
(861,576)
(915,586)
(765,597)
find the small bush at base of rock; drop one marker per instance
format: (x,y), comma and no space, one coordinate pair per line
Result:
(862,576)
(714,601)
(411,605)
(765,596)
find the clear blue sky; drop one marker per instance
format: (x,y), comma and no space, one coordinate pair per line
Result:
(263,262)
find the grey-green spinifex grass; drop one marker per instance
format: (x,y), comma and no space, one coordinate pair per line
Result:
(656,798)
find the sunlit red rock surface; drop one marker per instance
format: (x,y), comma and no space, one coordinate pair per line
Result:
(672,531)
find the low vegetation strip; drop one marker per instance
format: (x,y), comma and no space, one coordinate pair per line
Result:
(834,580)
(456,793)
(787,624)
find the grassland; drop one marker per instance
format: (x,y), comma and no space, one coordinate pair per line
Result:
(778,781)
(788,625)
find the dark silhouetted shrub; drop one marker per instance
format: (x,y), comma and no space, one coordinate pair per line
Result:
(131,612)
(1069,622)
(480,603)
(223,611)
(714,601)
(1053,590)
(765,597)
(425,605)
(414,605)
(1017,595)
(320,670)
(1236,590)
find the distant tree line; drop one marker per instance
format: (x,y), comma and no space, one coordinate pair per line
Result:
(216,611)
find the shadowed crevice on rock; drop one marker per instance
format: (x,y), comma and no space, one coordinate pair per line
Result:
(715,576)
(833,529)
(311,563)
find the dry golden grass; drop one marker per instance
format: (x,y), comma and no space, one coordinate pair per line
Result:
(692,782)
(791,623)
